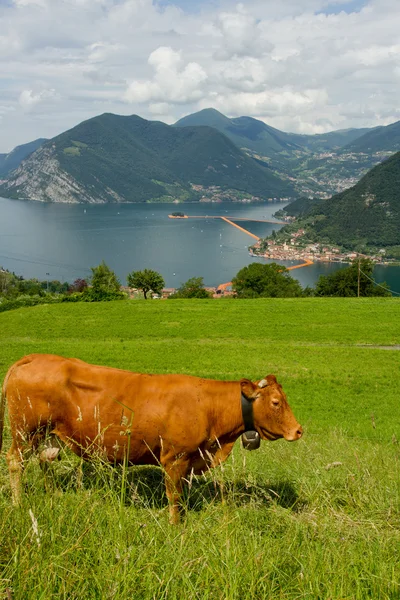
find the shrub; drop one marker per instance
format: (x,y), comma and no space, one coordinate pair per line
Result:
(22,301)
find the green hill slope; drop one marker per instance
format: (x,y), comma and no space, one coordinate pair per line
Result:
(318,518)
(332,140)
(12,160)
(314,164)
(378,140)
(113,158)
(366,215)
(198,337)
(255,135)
(245,132)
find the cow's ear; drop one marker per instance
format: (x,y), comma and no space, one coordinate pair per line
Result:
(249,389)
(271,379)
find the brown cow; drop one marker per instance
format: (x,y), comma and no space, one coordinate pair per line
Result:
(182,422)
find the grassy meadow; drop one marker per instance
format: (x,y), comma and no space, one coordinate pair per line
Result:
(316,519)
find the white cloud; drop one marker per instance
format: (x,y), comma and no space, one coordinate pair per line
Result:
(23,3)
(28,99)
(294,64)
(173,80)
(9,44)
(240,35)
(100,52)
(160,108)
(272,103)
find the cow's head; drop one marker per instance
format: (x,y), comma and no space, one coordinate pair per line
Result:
(273,417)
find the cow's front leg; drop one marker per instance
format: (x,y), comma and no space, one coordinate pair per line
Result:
(176,468)
(222,454)
(219,457)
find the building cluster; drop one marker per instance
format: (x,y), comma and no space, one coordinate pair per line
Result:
(293,249)
(221,291)
(326,179)
(214,193)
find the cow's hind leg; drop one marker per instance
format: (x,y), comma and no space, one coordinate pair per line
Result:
(176,468)
(22,447)
(15,460)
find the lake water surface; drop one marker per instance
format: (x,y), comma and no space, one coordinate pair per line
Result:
(62,241)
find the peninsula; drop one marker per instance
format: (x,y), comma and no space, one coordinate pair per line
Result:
(297,248)
(363,221)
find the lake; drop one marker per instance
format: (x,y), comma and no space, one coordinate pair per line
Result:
(62,241)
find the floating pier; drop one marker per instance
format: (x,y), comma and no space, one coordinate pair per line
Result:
(223,286)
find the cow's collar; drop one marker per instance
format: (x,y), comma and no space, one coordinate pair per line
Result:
(247,413)
(250,437)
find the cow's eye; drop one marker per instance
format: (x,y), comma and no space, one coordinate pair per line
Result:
(275,402)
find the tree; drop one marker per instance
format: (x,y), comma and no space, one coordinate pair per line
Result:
(55,286)
(351,281)
(105,285)
(104,279)
(146,280)
(7,282)
(193,288)
(78,286)
(266,281)
(29,287)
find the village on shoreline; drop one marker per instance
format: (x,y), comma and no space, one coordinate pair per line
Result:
(296,249)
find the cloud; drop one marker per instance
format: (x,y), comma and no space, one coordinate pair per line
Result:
(173,80)
(100,52)
(28,99)
(300,65)
(35,3)
(240,35)
(272,103)
(160,108)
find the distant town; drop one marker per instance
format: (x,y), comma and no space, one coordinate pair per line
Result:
(296,249)
(215,193)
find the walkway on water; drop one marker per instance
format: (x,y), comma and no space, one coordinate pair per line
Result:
(275,222)
(223,286)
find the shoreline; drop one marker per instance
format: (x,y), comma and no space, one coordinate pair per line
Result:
(324,259)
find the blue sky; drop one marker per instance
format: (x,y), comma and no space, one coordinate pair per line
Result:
(191,6)
(348,7)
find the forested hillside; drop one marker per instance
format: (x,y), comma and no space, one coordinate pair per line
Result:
(377,140)
(12,160)
(113,158)
(367,215)
(317,165)
(247,132)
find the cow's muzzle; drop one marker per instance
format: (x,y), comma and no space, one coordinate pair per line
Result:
(295,435)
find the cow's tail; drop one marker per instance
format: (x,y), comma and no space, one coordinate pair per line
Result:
(3,404)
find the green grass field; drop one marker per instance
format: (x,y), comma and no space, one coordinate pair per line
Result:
(292,525)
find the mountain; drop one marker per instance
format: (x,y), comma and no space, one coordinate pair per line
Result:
(339,169)
(113,158)
(365,216)
(333,140)
(255,135)
(317,165)
(245,132)
(299,207)
(377,140)
(12,160)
